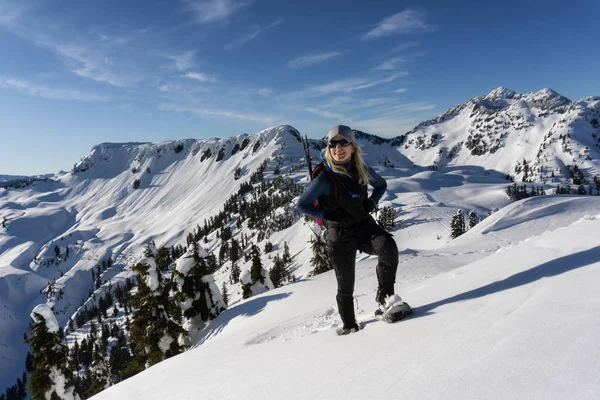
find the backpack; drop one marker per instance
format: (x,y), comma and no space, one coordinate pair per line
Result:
(320,167)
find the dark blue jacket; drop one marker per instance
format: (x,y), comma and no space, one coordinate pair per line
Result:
(350,194)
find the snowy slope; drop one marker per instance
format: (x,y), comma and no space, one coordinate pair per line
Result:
(96,213)
(518,322)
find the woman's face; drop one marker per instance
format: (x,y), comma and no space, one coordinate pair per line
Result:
(342,150)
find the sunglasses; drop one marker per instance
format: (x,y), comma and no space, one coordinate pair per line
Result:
(342,142)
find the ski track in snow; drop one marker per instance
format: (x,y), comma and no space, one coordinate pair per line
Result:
(298,327)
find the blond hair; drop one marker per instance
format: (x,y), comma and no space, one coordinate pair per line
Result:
(361,167)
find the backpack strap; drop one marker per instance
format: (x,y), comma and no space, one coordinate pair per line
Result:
(320,168)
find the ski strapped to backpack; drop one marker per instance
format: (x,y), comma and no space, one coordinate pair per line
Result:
(314,172)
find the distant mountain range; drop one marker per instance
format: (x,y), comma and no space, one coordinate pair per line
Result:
(504,129)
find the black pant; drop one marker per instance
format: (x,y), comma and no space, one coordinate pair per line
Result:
(342,244)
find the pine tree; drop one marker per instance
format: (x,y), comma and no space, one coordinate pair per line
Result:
(234,251)
(224,293)
(163,259)
(457,225)
(278,273)
(256,270)
(286,257)
(509,193)
(235,273)
(49,359)
(120,358)
(99,371)
(387,218)
(246,290)
(155,326)
(319,260)
(198,302)
(268,247)
(473,219)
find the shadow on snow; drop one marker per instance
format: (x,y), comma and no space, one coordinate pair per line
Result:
(247,309)
(548,269)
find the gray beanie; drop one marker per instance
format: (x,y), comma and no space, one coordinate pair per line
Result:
(341,130)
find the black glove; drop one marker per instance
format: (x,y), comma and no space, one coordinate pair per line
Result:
(369,205)
(333,215)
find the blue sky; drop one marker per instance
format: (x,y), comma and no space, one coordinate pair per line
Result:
(77,73)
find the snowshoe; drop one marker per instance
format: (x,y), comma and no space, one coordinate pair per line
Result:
(394,309)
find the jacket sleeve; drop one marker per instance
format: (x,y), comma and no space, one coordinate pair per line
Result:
(379,185)
(319,187)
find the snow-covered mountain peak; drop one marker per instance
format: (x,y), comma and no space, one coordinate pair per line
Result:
(500,93)
(547,99)
(504,129)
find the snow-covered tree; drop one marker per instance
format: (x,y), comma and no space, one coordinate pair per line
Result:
(278,273)
(197,294)
(473,219)
(319,260)
(256,279)
(256,270)
(51,378)
(387,218)
(457,225)
(156,324)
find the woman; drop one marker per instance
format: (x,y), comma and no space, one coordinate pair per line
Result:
(345,209)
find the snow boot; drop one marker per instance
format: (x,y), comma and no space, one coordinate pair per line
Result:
(347,329)
(392,308)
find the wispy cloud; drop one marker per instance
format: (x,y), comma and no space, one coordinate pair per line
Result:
(305,61)
(87,61)
(85,56)
(265,92)
(411,108)
(407,21)
(338,101)
(348,85)
(325,114)
(218,113)
(182,61)
(404,46)
(401,90)
(200,77)
(339,86)
(11,11)
(381,81)
(392,63)
(257,31)
(45,92)
(206,11)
